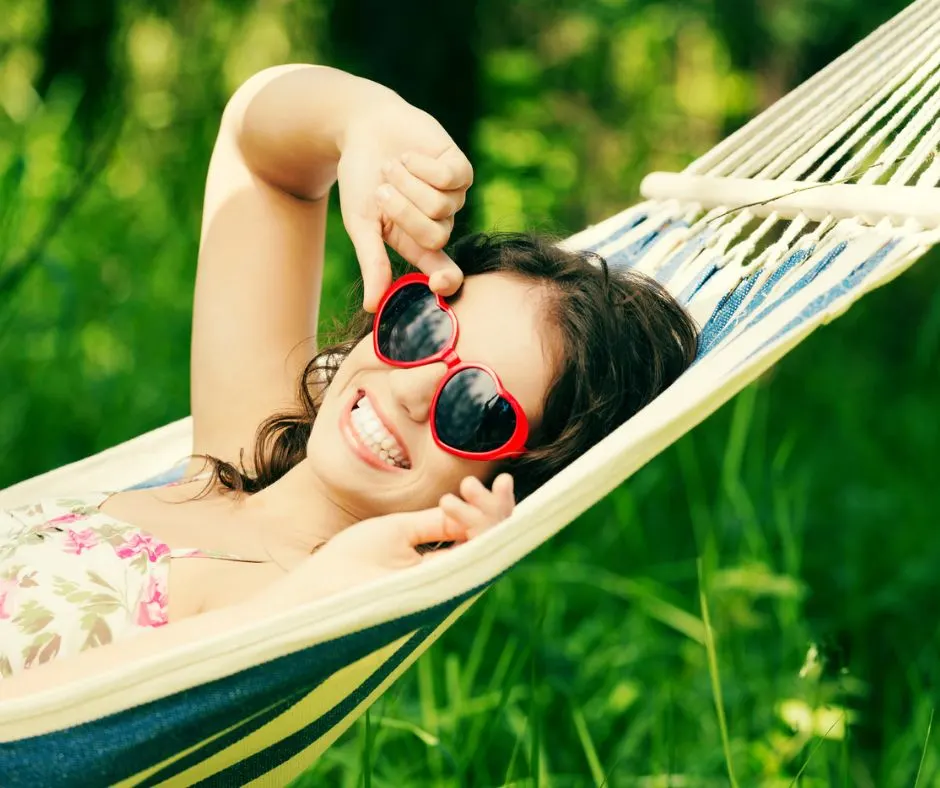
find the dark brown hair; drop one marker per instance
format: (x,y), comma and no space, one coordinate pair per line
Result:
(624,339)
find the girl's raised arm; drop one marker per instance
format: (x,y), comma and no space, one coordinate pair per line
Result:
(261,250)
(286,135)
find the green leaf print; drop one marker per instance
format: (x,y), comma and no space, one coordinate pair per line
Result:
(99,633)
(32,617)
(99,580)
(76,506)
(32,537)
(50,649)
(63,586)
(28,580)
(102,604)
(115,535)
(70,590)
(6,669)
(32,650)
(139,562)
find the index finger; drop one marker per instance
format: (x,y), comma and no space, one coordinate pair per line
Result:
(451,170)
(445,276)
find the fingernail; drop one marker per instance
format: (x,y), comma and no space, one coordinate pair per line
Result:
(384,192)
(405,158)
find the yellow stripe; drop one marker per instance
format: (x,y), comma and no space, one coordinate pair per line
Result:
(334,690)
(291,768)
(320,700)
(137,778)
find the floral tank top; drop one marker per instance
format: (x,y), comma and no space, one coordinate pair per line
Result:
(73,578)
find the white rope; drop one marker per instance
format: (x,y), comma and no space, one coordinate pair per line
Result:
(832,114)
(924,121)
(782,118)
(931,176)
(867,134)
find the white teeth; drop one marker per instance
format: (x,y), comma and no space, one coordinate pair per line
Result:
(373,433)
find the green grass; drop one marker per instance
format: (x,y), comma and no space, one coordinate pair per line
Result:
(752,609)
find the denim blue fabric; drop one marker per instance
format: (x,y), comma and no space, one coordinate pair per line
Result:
(172,475)
(764,291)
(802,282)
(690,248)
(696,284)
(759,297)
(852,280)
(631,223)
(630,255)
(110,749)
(725,310)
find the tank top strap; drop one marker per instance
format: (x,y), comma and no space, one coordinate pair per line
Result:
(195,552)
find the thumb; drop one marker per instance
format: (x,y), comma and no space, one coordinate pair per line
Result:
(429,526)
(376,268)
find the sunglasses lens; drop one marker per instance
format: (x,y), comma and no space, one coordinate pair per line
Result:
(471,416)
(412,326)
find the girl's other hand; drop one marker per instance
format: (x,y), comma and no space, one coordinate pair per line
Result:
(478,509)
(401,180)
(381,546)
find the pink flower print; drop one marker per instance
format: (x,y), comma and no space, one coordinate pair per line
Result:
(152,608)
(80,540)
(65,518)
(8,589)
(142,543)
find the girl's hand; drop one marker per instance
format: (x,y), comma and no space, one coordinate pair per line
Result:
(384,545)
(401,180)
(479,509)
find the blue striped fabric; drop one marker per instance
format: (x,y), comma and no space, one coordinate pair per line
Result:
(760,296)
(822,301)
(696,284)
(629,224)
(725,310)
(116,747)
(631,254)
(735,307)
(688,250)
(172,475)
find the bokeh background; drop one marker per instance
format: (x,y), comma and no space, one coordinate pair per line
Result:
(813,494)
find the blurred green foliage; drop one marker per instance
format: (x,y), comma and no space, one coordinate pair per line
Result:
(810,500)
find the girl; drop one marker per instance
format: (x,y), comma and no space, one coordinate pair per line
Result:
(462,387)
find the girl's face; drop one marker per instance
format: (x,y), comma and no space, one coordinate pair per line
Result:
(502,325)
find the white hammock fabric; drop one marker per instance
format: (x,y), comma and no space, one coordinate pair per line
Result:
(757,280)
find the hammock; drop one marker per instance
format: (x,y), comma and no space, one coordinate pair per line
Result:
(258,704)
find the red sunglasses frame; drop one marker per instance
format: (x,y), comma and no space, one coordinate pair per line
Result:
(513,447)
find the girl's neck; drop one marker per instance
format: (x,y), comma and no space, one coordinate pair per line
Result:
(297,511)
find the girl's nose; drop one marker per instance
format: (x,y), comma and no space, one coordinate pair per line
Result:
(414,388)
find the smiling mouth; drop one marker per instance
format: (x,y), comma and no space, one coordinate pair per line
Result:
(375,436)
